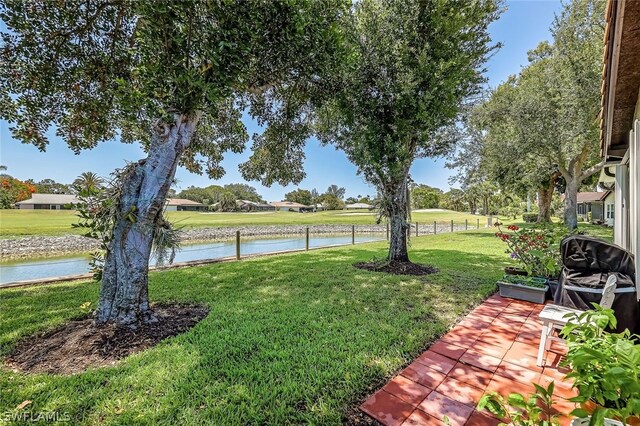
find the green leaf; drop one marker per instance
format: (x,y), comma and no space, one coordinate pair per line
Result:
(516,400)
(597,417)
(580,412)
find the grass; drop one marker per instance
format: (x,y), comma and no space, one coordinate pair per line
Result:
(46,222)
(293,339)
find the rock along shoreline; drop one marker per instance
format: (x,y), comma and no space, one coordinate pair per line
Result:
(47,246)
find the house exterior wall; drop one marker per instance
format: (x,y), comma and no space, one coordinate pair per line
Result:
(42,207)
(634,184)
(627,198)
(171,208)
(597,211)
(582,209)
(621,220)
(610,209)
(192,208)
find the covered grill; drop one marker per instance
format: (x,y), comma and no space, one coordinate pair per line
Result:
(587,263)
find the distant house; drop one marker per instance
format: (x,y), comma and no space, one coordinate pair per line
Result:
(359,206)
(597,207)
(47,202)
(253,206)
(184,205)
(290,206)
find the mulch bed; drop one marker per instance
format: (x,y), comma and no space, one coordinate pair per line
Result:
(355,417)
(397,268)
(79,344)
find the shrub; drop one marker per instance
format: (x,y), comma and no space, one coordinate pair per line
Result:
(605,366)
(519,410)
(536,249)
(530,217)
(13,190)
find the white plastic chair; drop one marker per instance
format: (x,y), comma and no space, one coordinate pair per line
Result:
(553,317)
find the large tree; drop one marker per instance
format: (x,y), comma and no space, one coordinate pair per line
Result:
(454,199)
(576,77)
(412,64)
(175,76)
(301,196)
(425,197)
(543,124)
(492,151)
(87,181)
(337,191)
(50,186)
(13,190)
(242,191)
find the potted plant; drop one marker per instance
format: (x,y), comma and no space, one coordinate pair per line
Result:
(520,411)
(531,289)
(605,368)
(536,249)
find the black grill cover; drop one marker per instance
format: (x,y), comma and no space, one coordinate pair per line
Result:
(587,263)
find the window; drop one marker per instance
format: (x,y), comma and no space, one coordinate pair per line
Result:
(610,211)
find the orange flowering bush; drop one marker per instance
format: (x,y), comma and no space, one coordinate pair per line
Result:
(13,190)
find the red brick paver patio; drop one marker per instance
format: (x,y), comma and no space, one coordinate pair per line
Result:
(493,348)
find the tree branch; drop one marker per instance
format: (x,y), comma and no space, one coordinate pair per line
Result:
(592,170)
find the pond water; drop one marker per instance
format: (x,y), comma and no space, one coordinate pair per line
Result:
(74,265)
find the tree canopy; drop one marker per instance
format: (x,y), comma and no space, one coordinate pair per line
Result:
(301,196)
(100,70)
(337,191)
(542,124)
(411,65)
(425,197)
(175,76)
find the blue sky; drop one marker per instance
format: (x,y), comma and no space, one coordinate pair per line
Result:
(521,27)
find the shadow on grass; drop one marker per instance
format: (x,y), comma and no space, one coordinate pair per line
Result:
(290,339)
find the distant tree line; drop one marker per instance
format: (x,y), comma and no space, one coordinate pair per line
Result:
(221,198)
(476,199)
(331,199)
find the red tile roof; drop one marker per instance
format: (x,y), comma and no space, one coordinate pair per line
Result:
(590,197)
(182,202)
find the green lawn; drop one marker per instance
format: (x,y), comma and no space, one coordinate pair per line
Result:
(45,222)
(292,339)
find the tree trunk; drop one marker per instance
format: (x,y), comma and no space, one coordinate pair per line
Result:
(397,211)
(545,196)
(570,204)
(123,291)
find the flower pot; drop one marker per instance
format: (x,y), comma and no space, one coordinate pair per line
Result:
(607,422)
(590,406)
(510,270)
(523,292)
